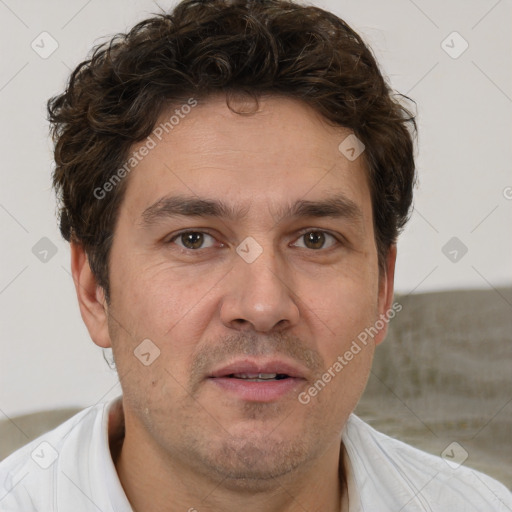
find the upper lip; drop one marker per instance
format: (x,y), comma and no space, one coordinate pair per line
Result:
(278,366)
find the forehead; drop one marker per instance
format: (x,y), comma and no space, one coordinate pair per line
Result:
(265,160)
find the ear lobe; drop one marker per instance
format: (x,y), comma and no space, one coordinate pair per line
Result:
(386,292)
(91,298)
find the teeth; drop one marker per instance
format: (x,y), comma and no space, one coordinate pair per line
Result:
(267,375)
(255,376)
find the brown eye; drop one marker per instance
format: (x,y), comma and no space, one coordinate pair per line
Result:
(317,240)
(314,240)
(193,240)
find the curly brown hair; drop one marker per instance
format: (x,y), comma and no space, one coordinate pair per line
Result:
(255,47)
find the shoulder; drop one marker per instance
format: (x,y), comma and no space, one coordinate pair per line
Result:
(27,476)
(404,476)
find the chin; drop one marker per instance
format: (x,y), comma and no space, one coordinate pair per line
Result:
(256,462)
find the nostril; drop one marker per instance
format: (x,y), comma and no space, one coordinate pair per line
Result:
(241,322)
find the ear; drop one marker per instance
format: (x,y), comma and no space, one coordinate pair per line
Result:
(91,298)
(386,291)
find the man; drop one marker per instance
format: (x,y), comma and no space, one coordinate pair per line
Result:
(233,177)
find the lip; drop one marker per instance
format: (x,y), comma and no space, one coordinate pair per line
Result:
(260,366)
(258,391)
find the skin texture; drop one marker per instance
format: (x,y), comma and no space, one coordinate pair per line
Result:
(190,443)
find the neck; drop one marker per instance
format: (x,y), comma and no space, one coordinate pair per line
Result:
(153,482)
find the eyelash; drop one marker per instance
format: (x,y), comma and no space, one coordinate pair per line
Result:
(337,238)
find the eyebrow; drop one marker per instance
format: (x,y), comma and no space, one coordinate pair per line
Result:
(337,206)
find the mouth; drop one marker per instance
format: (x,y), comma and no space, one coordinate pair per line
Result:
(257,380)
(258,377)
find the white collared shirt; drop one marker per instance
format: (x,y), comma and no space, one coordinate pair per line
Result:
(70,469)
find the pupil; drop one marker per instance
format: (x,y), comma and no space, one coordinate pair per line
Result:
(192,240)
(314,240)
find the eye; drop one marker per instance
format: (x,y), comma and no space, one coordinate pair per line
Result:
(193,240)
(316,240)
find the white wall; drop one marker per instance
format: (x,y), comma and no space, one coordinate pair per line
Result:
(464,107)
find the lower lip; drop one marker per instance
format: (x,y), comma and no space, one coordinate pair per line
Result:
(257,391)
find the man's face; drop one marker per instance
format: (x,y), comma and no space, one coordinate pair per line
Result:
(223,308)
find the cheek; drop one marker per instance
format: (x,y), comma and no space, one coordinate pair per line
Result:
(157,298)
(345,300)
(342,309)
(171,308)
(345,348)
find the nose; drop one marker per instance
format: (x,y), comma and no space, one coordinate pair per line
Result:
(259,296)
